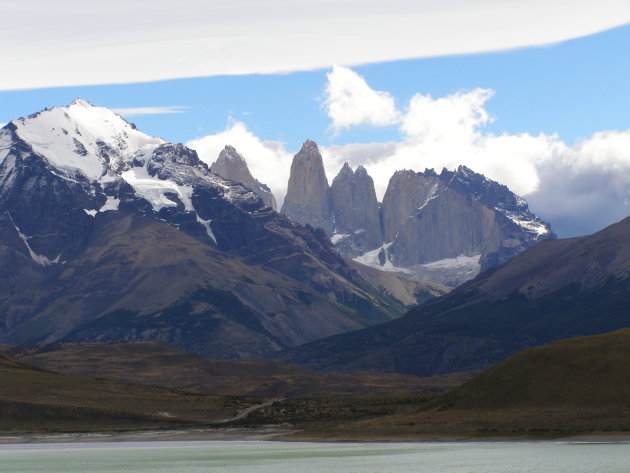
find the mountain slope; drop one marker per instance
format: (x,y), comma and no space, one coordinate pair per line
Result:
(52,187)
(138,279)
(71,176)
(557,289)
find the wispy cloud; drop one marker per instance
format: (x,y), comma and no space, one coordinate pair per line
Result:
(162,110)
(104,43)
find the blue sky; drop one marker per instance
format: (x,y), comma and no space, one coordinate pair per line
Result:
(535,95)
(574,88)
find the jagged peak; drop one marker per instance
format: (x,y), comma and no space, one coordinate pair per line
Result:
(428,172)
(230,153)
(81,103)
(361,171)
(309,147)
(346,170)
(404,173)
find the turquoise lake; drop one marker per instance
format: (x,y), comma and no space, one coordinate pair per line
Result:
(289,457)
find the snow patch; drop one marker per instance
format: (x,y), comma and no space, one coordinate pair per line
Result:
(206,224)
(91,213)
(111,204)
(450,271)
(430,196)
(39,259)
(337,237)
(371,258)
(530,225)
(460,261)
(153,189)
(5,145)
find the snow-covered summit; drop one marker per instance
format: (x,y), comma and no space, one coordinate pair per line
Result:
(61,167)
(83,137)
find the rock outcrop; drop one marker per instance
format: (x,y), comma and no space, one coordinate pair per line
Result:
(448,227)
(232,166)
(308,194)
(356,212)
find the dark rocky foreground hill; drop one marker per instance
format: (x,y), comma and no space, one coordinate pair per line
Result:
(554,290)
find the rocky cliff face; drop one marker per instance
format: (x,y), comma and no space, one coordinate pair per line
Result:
(64,172)
(356,212)
(443,228)
(448,227)
(407,191)
(232,166)
(308,194)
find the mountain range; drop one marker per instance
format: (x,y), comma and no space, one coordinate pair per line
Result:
(554,290)
(443,228)
(109,234)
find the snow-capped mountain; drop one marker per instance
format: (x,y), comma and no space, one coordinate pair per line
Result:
(96,161)
(72,176)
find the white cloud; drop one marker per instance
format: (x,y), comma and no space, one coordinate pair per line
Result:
(350,101)
(579,189)
(2,124)
(455,117)
(586,187)
(268,161)
(79,43)
(136,111)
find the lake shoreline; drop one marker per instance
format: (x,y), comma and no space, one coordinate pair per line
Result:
(287,435)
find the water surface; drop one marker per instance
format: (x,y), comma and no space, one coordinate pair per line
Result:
(290,457)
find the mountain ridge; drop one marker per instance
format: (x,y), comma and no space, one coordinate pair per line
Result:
(497,314)
(58,192)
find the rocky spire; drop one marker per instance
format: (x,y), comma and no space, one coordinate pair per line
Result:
(308,193)
(356,211)
(231,165)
